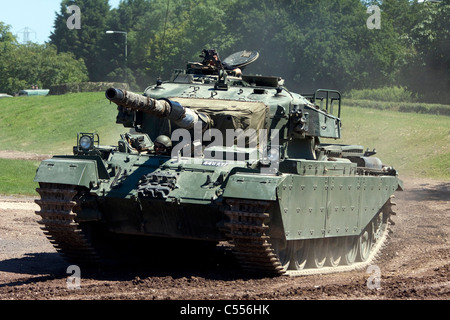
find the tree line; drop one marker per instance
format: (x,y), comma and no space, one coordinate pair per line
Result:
(311,44)
(25,65)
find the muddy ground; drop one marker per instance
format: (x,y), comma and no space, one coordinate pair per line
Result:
(414,265)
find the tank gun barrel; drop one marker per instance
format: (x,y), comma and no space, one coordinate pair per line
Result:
(161,108)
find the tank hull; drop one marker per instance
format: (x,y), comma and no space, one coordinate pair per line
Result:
(272,214)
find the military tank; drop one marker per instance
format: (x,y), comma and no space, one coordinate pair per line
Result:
(212,157)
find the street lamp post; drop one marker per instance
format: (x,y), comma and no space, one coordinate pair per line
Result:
(126,51)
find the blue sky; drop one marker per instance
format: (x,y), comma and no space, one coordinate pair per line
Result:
(37,16)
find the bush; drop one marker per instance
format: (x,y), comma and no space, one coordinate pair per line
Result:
(32,64)
(85,87)
(394,94)
(417,107)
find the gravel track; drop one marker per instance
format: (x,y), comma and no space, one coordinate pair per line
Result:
(414,265)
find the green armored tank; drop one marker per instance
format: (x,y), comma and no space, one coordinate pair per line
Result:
(215,156)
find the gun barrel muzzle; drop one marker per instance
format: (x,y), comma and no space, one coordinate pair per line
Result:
(114,94)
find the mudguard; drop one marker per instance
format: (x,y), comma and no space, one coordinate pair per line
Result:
(80,172)
(253,186)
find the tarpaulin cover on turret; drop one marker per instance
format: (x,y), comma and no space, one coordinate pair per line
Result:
(230,114)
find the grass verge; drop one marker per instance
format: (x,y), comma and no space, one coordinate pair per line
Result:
(16,176)
(415,144)
(48,125)
(414,107)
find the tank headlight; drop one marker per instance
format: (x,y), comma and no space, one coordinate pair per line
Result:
(86,142)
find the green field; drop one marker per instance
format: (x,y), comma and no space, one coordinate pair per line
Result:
(50,124)
(415,144)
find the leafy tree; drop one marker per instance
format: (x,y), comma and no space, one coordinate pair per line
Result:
(182,32)
(401,14)
(22,66)
(5,34)
(428,69)
(128,17)
(8,44)
(83,42)
(163,35)
(318,44)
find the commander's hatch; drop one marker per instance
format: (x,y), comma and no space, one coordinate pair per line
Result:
(240,59)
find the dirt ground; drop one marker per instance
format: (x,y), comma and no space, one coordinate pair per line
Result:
(414,265)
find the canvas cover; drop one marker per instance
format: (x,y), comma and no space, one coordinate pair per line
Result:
(230,114)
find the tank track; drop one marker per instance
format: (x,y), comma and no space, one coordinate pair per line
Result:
(248,233)
(59,225)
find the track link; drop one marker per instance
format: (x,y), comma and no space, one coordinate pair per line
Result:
(59,225)
(247,231)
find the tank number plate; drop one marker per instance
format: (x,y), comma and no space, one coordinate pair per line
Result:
(214,163)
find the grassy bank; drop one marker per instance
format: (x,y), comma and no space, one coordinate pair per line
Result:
(416,144)
(49,124)
(16,176)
